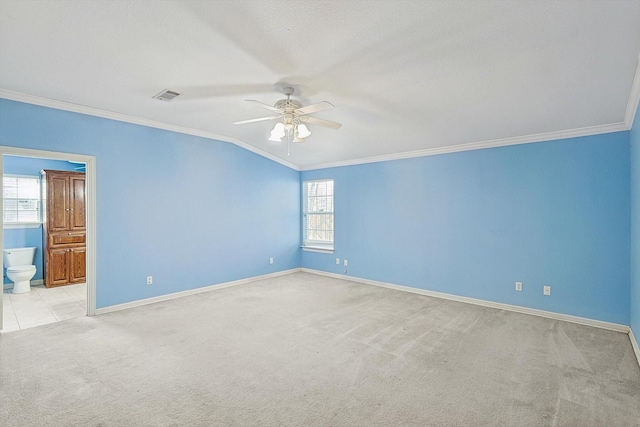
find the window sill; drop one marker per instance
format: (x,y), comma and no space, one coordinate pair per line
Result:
(319,249)
(22,225)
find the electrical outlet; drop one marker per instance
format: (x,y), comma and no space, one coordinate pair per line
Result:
(346,263)
(337,261)
(518,286)
(547,290)
(270,260)
(149,280)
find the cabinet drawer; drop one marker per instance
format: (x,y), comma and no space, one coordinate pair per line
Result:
(67,238)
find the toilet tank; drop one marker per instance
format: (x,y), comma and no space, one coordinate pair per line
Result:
(18,256)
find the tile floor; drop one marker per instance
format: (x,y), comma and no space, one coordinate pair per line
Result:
(42,306)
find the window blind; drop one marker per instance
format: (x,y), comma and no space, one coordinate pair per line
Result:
(21,199)
(318,215)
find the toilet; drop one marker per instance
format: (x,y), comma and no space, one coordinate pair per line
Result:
(20,268)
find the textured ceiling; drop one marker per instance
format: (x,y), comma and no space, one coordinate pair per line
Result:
(404,76)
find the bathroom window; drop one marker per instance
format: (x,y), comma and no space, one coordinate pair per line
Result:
(21,200)
(317,216)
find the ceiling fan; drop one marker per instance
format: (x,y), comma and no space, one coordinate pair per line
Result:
(292,117)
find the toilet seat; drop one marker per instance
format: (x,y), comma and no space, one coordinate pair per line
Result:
(21,268)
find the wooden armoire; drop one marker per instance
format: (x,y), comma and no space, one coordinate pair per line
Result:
(65,231)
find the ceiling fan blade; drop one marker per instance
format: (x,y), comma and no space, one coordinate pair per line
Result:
(313,108)
(263,105)
(261,119)
(321,122)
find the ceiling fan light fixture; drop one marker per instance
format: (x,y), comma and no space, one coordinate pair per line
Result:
(290,115)
(303,131)
(277,133)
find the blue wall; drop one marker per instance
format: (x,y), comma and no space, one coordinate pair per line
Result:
(23,237)
(17,165)
(635,226)
(190,211)
(473,223)
(194,212)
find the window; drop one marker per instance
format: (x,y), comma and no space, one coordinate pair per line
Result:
(317,214)
(21,199)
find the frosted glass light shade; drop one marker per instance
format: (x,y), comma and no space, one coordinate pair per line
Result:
(303,131)
(277,133)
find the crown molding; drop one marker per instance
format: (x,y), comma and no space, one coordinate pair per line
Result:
(632,105)
(634,98)
(528,139)
(90,111)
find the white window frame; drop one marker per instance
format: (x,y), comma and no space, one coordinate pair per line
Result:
(23,224)
(325,246)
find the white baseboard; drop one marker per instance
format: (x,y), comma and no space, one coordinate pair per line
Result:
(160,298)
(6,286)
(515,308)
(634,344)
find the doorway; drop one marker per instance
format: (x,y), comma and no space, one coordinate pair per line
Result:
(90,174)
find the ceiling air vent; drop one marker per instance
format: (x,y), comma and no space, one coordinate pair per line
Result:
(166,95)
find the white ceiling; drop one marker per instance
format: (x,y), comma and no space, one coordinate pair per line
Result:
(404,76)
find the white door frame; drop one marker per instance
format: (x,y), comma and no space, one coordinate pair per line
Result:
(90,212)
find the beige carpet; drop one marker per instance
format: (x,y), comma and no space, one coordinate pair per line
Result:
(306,350)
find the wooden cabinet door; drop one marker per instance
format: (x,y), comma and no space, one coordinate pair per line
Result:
(76,202)
(78,265)
(58,267)
(66,228)
(58,203)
